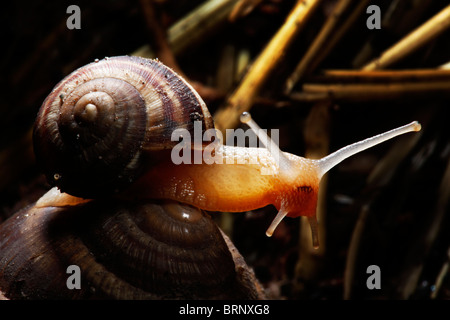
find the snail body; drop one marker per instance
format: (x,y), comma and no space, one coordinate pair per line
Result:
(215,192)
(75,124)
(237,186)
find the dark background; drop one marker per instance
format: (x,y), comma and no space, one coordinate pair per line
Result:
(404,229)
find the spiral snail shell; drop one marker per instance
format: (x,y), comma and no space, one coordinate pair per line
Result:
(97,125)
(124,251)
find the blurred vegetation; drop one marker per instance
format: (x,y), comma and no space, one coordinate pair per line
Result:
(387,206)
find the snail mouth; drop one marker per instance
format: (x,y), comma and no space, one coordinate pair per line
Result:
(305,205)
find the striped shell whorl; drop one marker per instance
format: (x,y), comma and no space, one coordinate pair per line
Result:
(124,250)
(93,130)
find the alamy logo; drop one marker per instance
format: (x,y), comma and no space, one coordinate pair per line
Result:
(374,280)
(374,20)
(74,20)
(74,280)
(206,146)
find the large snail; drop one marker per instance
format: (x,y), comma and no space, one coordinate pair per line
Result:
(124,250)
(105,133)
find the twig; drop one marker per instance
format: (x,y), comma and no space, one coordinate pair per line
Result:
(353,85)
(242,99)
(200,23)
(417,38)
(247,283)
(194,27)
(157,36)
(445,66)
(243,8)
(324,42)
(369,92)
(353,250)
(441,276)
(164,52)
(381,76)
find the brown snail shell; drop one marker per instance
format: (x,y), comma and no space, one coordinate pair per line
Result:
(124,250)
(95,129)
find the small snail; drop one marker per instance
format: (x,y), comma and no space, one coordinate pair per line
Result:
(106,128)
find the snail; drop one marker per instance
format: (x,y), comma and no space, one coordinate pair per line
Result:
(107,129)
(139,250)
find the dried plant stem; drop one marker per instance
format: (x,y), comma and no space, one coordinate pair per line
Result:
(440,278)
(163,48)
(242,99)
(381,76)
(366,92)
(246,278)
(369,92)
(417,38)
(194,27)
(157,35)
(445,66)
(328,36)
(353,250)
(353,85)
(243,8)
